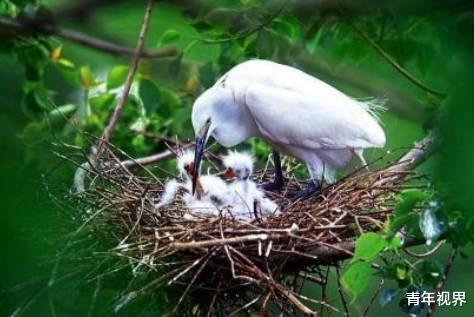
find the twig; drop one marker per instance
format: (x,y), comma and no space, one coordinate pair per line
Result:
(373,298)
(225,241)
(83,39)
(341,294)
(96,151)
(128,82)
(427,253)
(395,64)
(442,281)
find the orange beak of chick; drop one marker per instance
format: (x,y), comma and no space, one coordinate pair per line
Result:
(227,175)
(199,190)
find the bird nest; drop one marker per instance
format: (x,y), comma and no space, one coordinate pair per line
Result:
(235,265)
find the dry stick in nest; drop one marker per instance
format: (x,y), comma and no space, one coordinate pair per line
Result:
(410,160)
(312,230)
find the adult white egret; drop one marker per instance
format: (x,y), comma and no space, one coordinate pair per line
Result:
(296,113)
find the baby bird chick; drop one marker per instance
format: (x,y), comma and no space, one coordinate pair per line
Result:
(211,191)
(239,168)
(169,193)
(184,163)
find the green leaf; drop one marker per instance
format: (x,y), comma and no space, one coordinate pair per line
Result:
(117,76)
(63,62)
(87,78)
(157,99)
(394,243)
(431,272)
(403,212)
(168,37)
(149,94)
(368,246)
(408,199)
(356,277)
(284,28)
(63,111)
(102,102)
(37,100)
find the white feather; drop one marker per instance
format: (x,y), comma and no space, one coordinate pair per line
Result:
(296,113)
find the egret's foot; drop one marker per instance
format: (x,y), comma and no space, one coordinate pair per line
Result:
(273,186)
(313,187)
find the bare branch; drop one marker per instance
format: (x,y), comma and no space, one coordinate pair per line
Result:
(395,64)
(442,280)
(81,39)
(128,83)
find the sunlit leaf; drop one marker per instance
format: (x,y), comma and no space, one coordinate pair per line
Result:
(117,76)
(368,246)
(56,53)
(102,102)
(169,37)
(63,62)
(356,277)
(87,78)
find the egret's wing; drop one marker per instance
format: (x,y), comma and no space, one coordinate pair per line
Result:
(291,117)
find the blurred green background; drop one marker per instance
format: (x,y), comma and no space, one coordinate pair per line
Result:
(431,39)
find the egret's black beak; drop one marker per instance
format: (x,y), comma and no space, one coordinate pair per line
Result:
(200,146)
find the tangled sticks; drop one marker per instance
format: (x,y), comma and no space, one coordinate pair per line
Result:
(252,260)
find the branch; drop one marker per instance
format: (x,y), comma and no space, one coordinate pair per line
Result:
(128,83)
(395,64)
(96,151)
(344,250)
(442,281)
(81,39)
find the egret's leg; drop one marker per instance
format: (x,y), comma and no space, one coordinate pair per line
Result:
(313,187)
(318,171)
(278,182)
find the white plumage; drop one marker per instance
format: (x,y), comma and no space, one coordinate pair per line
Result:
(213,193)
(246,195)
(296,113)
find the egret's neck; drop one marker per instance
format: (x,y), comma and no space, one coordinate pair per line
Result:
(232,121)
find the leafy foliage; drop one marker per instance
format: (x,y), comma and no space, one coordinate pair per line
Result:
(69,94)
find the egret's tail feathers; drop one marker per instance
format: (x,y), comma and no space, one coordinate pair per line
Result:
(374,106)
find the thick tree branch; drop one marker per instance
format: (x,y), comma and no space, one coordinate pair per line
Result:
(22,27)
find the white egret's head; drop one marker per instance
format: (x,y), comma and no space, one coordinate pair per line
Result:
(217,113)
(204,120)
(239,165)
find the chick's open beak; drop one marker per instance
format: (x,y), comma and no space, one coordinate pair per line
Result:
(227,175)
